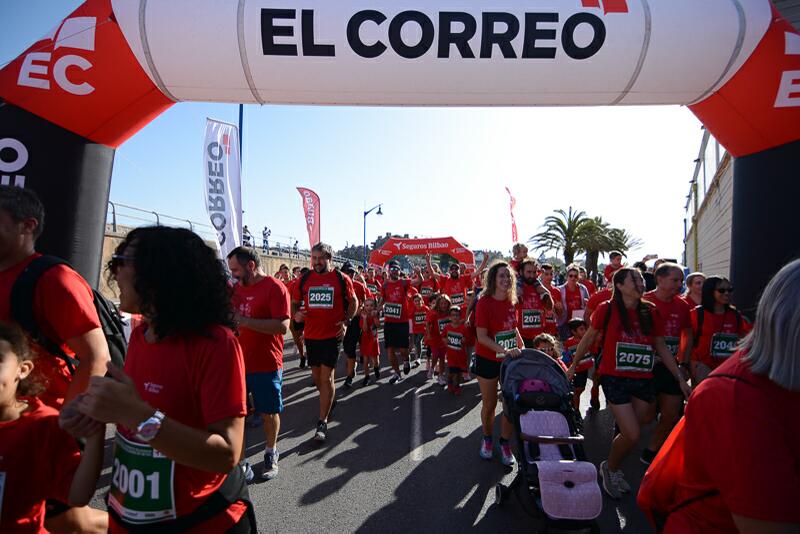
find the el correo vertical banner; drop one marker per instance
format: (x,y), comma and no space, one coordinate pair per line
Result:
(223,186)
(311,213)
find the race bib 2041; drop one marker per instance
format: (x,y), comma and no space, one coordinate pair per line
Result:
(393,310)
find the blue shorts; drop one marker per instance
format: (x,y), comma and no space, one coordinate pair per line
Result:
(266,390)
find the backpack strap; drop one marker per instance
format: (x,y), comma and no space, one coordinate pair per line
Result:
(343,285)
(22,297)
(303,280)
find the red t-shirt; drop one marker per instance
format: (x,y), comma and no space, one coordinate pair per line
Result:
(456,289)
(418,319)
(457,339)
(38,461)
(499,318)
(627,354)
(550,319)
(742,440)
(570,346)
(675,314)
(609,271)
(373,285)
(195,380)
(598,298)
(362,291)
(64,308)
(369,344)
(437,321)
(266,299)
(721,333)
(428,287)
(589,285)
(397,303)
(530,312)
(574,299)
(324,307)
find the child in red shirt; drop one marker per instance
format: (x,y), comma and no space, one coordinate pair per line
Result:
(577,328)
(457,337)
(38,460)
(550,346)
(370,347)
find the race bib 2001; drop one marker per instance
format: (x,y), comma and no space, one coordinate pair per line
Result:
(634,357)
(531,318)
(455,340)
(507,340)
(142,483)
(393,310)
(723,345)
(320,297)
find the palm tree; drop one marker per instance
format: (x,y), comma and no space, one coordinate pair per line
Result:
(561,232)
(595,237)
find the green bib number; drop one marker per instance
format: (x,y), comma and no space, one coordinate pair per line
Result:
(507,340)
(673,343)
(531,318)
(142,489)
(372,288)
(634,357)
(393,310)
(320,297)
(443,323)
(426,291)
(723,345)
(457,299)
(419,318)
(455,340)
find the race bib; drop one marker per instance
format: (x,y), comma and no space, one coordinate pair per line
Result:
(507,340)
(372,288)
(393,310)
(320,297)
(419,318)
(723,345)
(457,299)
(550,318)
(426,291)
(142,483)
(634,357)
(577,314)
(673,344)
(443,323)
(455,340)
(531,318)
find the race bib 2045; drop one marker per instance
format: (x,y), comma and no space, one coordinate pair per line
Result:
(320,297)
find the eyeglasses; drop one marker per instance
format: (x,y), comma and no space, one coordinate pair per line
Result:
(121,258)
(572,276)
(724,290)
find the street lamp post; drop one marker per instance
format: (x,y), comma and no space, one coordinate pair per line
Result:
(378,207)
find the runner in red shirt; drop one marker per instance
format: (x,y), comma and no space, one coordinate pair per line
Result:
(352,337)
(419,317)
(574,297)
(456,336)
(717,327)
(615,257)
(167,434)
(396,304)
(694,289)
(428,284)
(742,447)
(38,460)
(456,285)
(533,304)
(498,338)
(551,317)
(584,279)
(633,332)
(283,274)
(373,282)
(437,319)
(369,345)
(678,337)
(261,305)
(591,305)
(519,252)
(294,327)
(578,329)
(330,302)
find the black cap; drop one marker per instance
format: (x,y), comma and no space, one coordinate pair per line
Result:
(394,263)
(348,267)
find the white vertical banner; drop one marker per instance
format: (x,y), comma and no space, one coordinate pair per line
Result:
(223,186)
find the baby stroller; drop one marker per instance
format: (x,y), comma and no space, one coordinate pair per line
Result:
(554,482)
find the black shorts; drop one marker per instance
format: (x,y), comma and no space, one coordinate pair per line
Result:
(351,337)
(619,390)
(663,381)
(322,352)
(486,368)
(297,327)
(579,380)
(395,335)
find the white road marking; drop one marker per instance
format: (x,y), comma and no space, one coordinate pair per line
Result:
(416,427)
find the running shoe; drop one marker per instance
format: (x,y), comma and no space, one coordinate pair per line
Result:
(486,449)
(322,431)
(365,382)
(348,382)
(647,456)
(610,480)
(270,465)
(506,456)
(302,363)
(406,368)
(395,378)
(249,475)
(377,373)
(442,380)
(415,363)
(430,373)
(624,487)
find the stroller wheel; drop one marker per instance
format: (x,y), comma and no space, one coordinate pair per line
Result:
(500,494)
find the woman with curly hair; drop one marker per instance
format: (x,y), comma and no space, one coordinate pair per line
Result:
(497,338)
(179,405)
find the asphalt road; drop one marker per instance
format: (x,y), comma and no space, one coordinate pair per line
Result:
(399,458)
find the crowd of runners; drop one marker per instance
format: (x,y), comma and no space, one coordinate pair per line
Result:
(210,348)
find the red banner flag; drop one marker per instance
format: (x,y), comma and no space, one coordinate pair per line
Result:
(311,211)
(512,203)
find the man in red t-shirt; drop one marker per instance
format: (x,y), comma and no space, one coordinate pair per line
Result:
(261,305)
(373,282)
(551,317)
(330,302)
(353,336)
(534,300)
(574,296)
(583,278)
(396,307)
(64,310)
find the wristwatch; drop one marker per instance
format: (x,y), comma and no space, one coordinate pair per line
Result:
(148,428)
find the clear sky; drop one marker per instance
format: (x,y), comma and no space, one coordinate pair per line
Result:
(437,171)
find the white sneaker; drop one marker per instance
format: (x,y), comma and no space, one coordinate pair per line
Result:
(395,378)
(430,373)
(442,380)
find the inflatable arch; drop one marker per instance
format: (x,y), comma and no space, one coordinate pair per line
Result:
(114,65)
(396,246)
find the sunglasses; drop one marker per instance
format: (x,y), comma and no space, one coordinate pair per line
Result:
(572,276)
(724,290)
(120,258)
